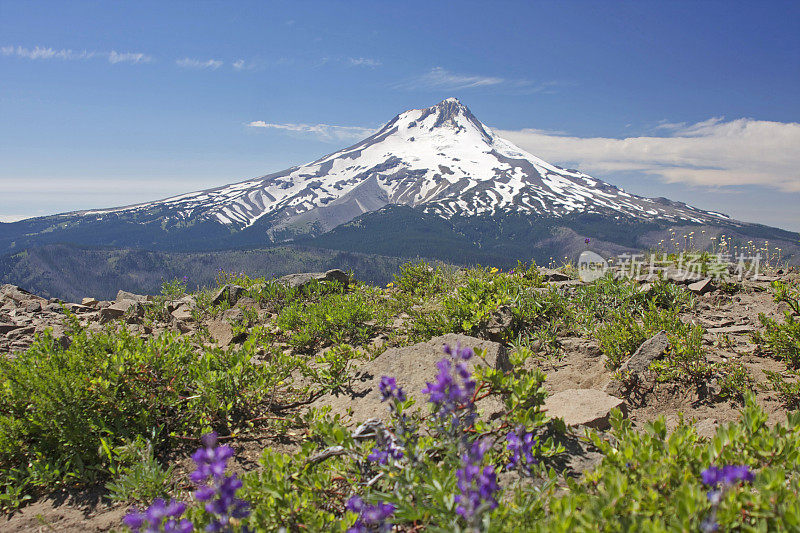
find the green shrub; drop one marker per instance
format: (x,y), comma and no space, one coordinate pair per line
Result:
(335,318)
(480,293)
(783,340)
(137,474)
(650,480)
(420,279)
(113,386)
(626,331)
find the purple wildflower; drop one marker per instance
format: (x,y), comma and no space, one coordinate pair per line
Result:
(381,456)
(214,487)
(477,484)
(521,444)
(587,240)
(390,390)
(452,389)
(727,475)
(458,351)
(720,480)
(370,517)
(153,520)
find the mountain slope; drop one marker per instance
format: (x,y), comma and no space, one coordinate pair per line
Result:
(441,158)
(441,162)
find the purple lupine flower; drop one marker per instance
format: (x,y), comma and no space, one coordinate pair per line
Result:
(389,389)
(521,447)
(727,475)
(152,519)
(458,351)
(477,484)
(381,456)
(454,387)
(370,517)
(720,480)
(216,488)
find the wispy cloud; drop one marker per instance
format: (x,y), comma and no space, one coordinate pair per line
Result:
(211,64)
(712,153)
(115,57)
(40,52)
(441,78)
(65,54)
(363,62)
(325,132)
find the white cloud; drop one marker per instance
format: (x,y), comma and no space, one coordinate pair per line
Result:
(188,62)
(39,52)
(440,78)
(326,132)
(712,153)
(364,62)
(115,57)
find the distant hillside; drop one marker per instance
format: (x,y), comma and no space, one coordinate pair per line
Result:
(71,273)
(500,240)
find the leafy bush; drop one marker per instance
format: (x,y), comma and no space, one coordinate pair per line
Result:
(783,340)
(333,319)
(420,279)
(108,388)
(651,480)
(137,474)
(626,331)
(480,294)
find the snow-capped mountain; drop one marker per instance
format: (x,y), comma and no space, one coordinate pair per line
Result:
(441,160)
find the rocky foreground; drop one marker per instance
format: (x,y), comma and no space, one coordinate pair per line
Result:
(582,388)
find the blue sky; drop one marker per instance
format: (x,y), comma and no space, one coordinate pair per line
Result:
(105,103)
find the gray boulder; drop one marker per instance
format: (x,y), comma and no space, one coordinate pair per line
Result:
(125,295)
(583,407)
(412,367)
(304,279)
(636,366)
(228,293)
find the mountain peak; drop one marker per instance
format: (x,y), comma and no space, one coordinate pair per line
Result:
(450,108)
(441,159)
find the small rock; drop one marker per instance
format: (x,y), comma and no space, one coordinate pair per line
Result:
(182,314)
(229,293)
(79,309)
(21,332)
(222,332)
(412,366)
(304,279)
(33,307)
(118,310)
(583,407)
(701,287)
(245,302)
(234,314)
(637,364)
(731,329)
(125,295)
(89,302)
(499,323)
(6,327)
(548,274)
